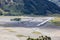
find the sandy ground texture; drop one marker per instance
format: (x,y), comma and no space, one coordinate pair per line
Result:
(22,33)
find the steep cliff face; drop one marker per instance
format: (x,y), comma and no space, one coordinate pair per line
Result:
(36,7)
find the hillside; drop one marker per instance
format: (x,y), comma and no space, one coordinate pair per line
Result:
(28,7)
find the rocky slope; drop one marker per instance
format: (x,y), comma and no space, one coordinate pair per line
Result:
(35,7)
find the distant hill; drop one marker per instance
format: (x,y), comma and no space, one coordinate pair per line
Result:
(28,7)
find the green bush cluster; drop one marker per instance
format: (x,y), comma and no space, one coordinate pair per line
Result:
(16,19)
(40,38)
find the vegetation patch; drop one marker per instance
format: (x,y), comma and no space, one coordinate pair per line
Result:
(36,32)
(16,19)
(19,35)
(40,38)
(10,30)
(56,21)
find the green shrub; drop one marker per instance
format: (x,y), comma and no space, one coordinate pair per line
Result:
(16,19)
(40,38)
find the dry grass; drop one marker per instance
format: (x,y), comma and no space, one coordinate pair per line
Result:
(36,32)
(19,35)
(10,30)
(56,21)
